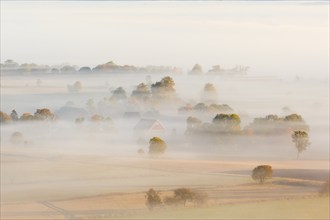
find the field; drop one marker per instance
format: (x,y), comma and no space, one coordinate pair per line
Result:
(164,110)
(47,186)
(314,208)
(63,170)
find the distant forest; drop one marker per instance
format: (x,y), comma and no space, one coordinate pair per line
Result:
(10,66)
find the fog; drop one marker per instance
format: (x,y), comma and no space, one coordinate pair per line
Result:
(94,144)
(274,38)
(63,158)
(249,97)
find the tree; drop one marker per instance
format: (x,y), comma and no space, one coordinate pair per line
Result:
(4,117)
(260,173)
(85,69)
(171,201)
(14,115)
(301,141)
(201,107)
(10,64)
(209,87)
(156,146)
(97,118)
(68,69)
(26,117)
(197,69)
(224,108)
(142,92)
(184,195)
(119,93)
(192,124)
(216,69)
(294,118)
(153,199)
(43,114)
(227,123)
(164,89)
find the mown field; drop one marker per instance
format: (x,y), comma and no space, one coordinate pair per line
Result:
(40,185)
(308,208)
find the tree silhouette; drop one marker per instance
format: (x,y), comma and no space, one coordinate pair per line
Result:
(227,123)
(4,117)
(197,69)
(43,114)
(164,89)
(184,195)
(153,199)
(156,146)
(142,92)
(301,141)
(260,173)
(119,93)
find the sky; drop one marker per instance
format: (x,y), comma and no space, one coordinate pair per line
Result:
(270,37)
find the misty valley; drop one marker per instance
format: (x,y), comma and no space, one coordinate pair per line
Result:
(115,142)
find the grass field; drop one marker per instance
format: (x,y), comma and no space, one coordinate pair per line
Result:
(310,208)
(37,185)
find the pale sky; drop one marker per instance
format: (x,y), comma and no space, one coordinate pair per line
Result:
(271,37)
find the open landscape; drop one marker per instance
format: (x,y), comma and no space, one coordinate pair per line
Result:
(65,171)
(99,187)
(164,110)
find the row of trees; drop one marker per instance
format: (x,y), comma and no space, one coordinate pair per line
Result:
(197,70)
(230,123)
(273,125)
(12,66)
(224,124)
(201,108)
(221,124)
(157,146)
(160,91)
(40,114)
(180,196)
